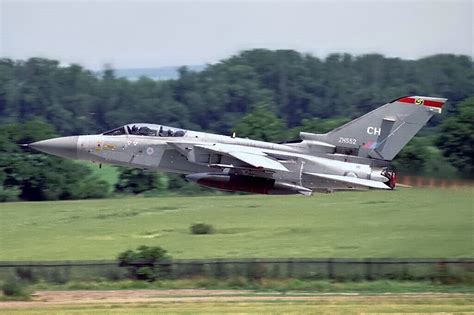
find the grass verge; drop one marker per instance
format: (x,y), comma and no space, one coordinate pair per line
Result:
(266,285)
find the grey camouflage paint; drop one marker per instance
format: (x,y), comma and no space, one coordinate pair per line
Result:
(353,156)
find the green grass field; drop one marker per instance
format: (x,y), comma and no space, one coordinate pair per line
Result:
(402,223)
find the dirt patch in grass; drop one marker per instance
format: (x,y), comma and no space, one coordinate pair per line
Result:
(85,297)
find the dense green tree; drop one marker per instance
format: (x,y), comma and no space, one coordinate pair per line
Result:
(296,87)
(456,138)
(34,176)
(317,125)
(136,181)
(261,124)
(414,157)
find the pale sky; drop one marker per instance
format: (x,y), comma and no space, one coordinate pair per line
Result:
(134,34)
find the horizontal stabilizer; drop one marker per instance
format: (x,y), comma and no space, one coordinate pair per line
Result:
(352,180)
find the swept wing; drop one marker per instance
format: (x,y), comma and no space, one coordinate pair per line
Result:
(229,156)
(251,156)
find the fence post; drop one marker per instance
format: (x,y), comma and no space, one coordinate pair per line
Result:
(290,266)
(330,265)
(165,269)
(443,275)
(219,269)
(368,269)
(173,270)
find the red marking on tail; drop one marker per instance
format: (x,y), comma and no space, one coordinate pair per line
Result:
(430,103)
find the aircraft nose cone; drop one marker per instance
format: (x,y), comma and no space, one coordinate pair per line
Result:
(65,147)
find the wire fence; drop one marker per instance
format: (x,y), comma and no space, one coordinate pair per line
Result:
(443,270)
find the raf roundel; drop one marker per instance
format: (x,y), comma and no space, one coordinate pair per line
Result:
(149,151)
(419,101)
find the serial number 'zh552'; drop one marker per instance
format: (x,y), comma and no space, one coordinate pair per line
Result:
(347,140)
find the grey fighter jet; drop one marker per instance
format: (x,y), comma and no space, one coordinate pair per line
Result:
(355,156)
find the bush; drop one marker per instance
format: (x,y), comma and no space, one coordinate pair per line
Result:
(256,271)
(59,276)
(201,228)
(143,264)
(114,274)
(8,194)
(238,282)
(14,287)
(26,274)
(137,181)
(93,187)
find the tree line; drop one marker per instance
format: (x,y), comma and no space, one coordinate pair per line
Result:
(262,94)
(293,86)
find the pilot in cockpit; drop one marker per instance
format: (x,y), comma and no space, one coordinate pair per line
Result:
(145,131)
(166,133)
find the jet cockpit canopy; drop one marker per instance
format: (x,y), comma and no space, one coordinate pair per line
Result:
(150,130)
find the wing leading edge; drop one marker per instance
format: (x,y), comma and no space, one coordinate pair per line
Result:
(258,161)
(252,156)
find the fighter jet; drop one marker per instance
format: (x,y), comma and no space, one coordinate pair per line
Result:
(355,156)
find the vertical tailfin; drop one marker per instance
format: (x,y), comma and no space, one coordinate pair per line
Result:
(383,132)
